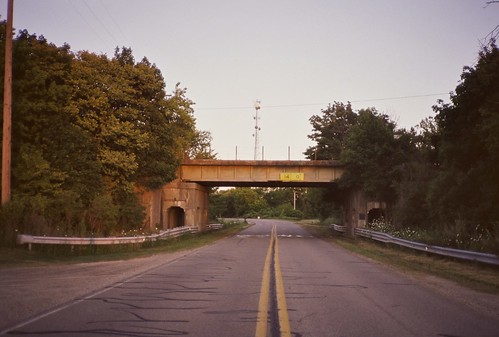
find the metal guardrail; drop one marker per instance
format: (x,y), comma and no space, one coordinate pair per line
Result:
(74,241)
(450,252)
(338,228)
(120,240)
(214,226)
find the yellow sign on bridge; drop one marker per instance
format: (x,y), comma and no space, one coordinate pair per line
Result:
(291,176)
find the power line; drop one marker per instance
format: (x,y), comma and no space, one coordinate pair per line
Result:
(100,21)
(86,21)
(114,22)
(323,104)
(399,97)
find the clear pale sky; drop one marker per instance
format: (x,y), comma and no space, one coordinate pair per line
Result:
(296,57)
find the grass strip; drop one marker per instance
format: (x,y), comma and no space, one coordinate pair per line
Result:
(473,275)
(56,254)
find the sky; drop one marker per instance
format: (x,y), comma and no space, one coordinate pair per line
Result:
(295,57)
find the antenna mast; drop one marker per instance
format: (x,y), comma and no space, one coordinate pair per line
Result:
(257,128)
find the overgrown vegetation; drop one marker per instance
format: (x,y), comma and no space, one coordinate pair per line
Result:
(456,236)
(66,254)
(284,203)
(87,130)
(473,275)
(439,179)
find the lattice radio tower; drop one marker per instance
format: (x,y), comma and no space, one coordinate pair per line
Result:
(257,128)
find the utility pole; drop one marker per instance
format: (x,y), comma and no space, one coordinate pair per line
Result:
(257,128)
(7,107)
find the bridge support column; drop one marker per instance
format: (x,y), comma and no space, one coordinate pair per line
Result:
(176,204)
(151,201)
(355,211)
(191,199)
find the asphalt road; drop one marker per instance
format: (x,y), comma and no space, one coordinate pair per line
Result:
(301,285)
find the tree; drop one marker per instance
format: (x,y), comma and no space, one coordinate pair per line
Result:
(330,131)
(366,142)
(246,201)
(237,202)
(276,202)
(172,130)
(87,129)
(42,92)
(323,203)
(100,106)
(55,169)
(201,146)
(371,155)
(415,175)
(467,185)
(166,119)
(278,196)
(141,133)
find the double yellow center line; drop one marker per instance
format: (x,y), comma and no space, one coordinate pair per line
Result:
(268,293)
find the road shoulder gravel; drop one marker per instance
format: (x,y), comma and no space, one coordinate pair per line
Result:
(27,292)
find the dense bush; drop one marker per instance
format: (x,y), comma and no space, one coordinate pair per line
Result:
(86,130)
(457,236)
(440,179)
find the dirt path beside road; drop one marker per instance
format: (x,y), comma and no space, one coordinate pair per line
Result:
(26,292)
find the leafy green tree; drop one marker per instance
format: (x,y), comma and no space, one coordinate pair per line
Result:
(247,200)
(99,106)
(370,156)
(238,202)
(201,146)
(323,203)
(369,146)
(281,202)
(166,119)
(86,129)
(466,187)
(141,133)
(172,130)
(52,159)
(221,204)
(102,215)
(217,204)
(264,202)
(416,173)
(41,94)
(330,131)
(278,196)
(130,211)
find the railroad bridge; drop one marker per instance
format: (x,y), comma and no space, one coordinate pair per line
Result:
(184,201)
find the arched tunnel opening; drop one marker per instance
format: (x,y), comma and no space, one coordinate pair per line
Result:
(176,217)
(375,214)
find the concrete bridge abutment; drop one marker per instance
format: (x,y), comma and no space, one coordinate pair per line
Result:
(176,204)
(359,210)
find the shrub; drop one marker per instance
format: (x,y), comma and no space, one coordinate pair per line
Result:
(102,215)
